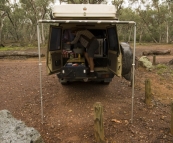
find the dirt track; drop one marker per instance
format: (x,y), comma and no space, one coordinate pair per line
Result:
(68,110)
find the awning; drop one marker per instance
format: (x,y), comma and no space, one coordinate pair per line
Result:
(86,21)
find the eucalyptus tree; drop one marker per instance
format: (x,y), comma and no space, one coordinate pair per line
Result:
(35,10)
(157,17)
(126,31)
(169,20)
(159,20)
(2,15)
(7,11)
(119,5)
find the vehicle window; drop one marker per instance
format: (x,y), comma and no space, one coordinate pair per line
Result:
(67,36)
(112,39)
(55,39)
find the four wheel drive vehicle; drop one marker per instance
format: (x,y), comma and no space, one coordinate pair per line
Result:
(68,61)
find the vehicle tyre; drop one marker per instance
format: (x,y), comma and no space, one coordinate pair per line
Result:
(129,77)
(127,58)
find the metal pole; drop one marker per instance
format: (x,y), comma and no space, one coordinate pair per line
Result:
(40,64)
(134,46)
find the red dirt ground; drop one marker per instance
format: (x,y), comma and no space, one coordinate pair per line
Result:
(68,110)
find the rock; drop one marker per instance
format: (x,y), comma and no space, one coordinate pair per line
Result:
(15,131)
(145,62)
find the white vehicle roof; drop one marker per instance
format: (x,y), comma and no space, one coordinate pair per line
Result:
(84,11)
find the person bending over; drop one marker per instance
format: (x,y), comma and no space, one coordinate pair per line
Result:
(87,40)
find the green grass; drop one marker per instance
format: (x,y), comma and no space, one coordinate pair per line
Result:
(14,48)
(161,68)
(10,48)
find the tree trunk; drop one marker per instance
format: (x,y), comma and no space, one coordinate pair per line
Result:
(130,35)
(0,35)
(32,3)
(42,33)
(42,26)
(160,38)
(1,26)
(140,36)
(16,37)
(167,33)
(169,14)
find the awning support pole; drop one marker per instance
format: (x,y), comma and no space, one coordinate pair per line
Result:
(40,64)
(133,65)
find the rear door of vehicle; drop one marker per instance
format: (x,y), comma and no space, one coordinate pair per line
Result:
(114,52)
(54,53)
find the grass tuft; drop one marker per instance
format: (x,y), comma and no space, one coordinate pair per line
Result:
(161,66)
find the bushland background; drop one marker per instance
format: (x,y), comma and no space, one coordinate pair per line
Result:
(18,20)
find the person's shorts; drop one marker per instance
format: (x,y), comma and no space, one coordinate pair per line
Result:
(92,48)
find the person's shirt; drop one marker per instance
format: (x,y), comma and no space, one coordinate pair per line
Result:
(82,40)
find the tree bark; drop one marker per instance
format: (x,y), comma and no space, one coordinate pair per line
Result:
(42,33)
(130,34)
(167,33)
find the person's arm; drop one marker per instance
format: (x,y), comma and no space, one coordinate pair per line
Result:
(76,38)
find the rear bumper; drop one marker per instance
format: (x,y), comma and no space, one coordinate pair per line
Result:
(81,74)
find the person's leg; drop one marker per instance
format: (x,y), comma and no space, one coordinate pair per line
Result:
(91,63)
(87,58)
(93,47)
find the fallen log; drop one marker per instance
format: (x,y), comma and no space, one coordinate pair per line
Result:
(156,52)
(19,53)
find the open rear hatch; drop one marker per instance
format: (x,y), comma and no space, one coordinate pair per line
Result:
(54,58)
(114,53)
